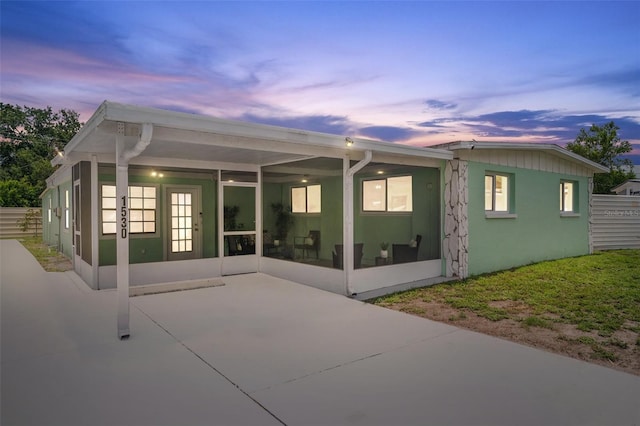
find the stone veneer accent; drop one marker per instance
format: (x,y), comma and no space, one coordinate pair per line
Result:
(456,225)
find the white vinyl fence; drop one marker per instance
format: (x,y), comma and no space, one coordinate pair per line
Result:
(615,222)
(9,217)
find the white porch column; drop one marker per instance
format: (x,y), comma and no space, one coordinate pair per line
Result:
(347,237)
(347,225)
(95,232)
(590,223)
(122,234)
(123,156)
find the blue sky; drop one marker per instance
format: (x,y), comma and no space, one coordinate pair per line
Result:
(408,72)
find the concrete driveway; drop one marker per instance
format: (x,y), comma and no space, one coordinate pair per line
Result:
(260,350)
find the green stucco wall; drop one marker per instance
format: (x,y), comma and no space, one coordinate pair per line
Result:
(328,222)
(145,248)
(54,233)
(374,228)
(538,232)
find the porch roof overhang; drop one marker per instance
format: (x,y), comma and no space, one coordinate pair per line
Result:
(549,148)
(196,141)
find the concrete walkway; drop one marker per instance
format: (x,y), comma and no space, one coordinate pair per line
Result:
(262,351)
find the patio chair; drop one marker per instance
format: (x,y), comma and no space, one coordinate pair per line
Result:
(310,242)
(358,251)
(405,253)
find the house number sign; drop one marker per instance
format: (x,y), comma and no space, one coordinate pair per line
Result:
(123,217)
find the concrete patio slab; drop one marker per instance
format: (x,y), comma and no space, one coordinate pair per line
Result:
(261,350)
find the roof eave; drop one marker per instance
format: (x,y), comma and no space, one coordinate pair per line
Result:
(597,168)
(135,114)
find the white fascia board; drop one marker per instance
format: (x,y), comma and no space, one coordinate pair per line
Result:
(62,174)
(598,168)
(96,119)
(134,114)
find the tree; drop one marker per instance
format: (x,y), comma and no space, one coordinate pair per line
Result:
(603,145)
(29,139)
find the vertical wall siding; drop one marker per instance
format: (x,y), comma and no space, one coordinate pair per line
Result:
(615,222)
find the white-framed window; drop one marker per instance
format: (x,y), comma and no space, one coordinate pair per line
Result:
(49,211)
(142,209)
(67,206)
(306,199)
(392,194)
(496,193)
(567,192)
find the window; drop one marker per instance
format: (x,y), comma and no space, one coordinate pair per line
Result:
(49,211)
(496,193)
(393,194)
(306,199)
(67,205)
(566,197)
(142,209)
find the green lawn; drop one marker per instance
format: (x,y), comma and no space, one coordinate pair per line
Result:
(599,292)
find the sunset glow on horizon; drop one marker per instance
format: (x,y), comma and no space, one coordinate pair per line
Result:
(411,72)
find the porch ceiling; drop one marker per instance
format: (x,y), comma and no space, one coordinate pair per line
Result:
(193,138)
(187,145)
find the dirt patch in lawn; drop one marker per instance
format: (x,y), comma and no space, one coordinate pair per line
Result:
(49,258)
(620,351)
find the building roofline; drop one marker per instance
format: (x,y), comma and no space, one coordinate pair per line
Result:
(555,149)
(624,183)
(112,111)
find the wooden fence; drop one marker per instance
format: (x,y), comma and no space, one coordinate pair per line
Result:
(615,222)
(9,227)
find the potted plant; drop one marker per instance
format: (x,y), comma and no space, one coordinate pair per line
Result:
(383,250)
(230,213)
(284,221)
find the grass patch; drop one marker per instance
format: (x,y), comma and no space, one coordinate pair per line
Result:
(49,258)
(599,292)
(534,321)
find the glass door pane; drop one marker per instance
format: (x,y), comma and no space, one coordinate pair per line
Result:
(239,220)
(181,222)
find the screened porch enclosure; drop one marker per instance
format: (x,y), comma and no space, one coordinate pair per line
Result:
(395,206)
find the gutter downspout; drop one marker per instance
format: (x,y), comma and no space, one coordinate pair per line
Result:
(348,215)
(123,156)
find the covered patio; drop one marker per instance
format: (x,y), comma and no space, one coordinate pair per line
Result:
(161,196)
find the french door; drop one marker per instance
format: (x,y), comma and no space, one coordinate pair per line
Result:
(184,222)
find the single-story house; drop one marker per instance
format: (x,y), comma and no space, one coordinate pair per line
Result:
(628,187)
(146,196)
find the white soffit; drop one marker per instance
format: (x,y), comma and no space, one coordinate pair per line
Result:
(194,137)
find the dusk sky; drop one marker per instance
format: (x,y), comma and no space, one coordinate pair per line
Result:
(412,72)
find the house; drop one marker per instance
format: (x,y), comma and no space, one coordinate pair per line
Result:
(629,187)
(145,196)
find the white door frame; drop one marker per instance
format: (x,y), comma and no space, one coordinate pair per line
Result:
(244,264)
(196,215)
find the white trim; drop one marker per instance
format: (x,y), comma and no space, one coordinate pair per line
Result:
(499,215)
(554,149)
(328,279)
(368,279)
